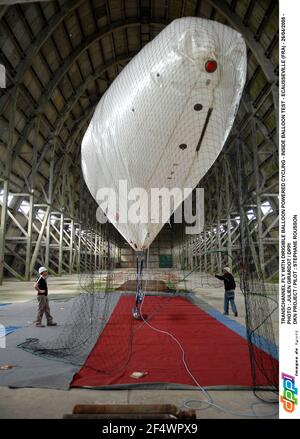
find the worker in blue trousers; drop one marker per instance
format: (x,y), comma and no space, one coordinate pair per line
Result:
(229,285)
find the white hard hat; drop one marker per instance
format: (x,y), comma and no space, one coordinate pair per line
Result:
(42,269)
(227,269)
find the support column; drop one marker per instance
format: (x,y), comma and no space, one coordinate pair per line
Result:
(205,250)
(39,240)
(29,238)
(3,226)
(91,249)
(228,207)
(79,249)
(240,201)
(95,251)
(211,246)
(61,243)
(50,199)
(219,258)
(85,250)
(47,248)
(7,159)
(71,246)
(258,201)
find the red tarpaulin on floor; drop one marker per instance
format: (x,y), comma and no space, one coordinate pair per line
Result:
(215,354)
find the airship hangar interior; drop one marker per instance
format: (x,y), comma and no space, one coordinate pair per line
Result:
(184,352)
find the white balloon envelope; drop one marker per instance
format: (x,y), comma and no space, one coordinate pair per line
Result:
(165,119)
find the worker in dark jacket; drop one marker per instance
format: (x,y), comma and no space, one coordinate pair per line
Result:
(42,296)
(229,285)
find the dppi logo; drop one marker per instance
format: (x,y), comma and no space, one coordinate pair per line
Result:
(290,391)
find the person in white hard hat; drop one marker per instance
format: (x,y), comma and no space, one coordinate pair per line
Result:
(229,285)
(43,301)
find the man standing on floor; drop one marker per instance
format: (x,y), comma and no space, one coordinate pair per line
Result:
(42,296)
(229,285)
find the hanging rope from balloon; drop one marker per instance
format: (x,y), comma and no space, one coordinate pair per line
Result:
(139,286)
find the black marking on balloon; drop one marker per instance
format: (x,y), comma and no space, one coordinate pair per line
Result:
(198,107)
(204,129)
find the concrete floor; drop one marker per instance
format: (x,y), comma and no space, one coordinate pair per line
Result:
(42,403)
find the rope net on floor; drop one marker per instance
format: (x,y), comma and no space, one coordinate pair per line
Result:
(261,303)
(92,309)
(101,293)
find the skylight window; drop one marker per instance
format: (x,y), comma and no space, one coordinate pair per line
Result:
(251,214)
(10,198)
(266,207)
(40,214)
(54,219)
(24,207)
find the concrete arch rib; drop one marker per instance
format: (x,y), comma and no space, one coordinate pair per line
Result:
(235,21)
(72,100)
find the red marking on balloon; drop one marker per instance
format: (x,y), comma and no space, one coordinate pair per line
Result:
(211,66)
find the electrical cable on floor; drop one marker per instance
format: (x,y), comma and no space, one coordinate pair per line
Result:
(209,401)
